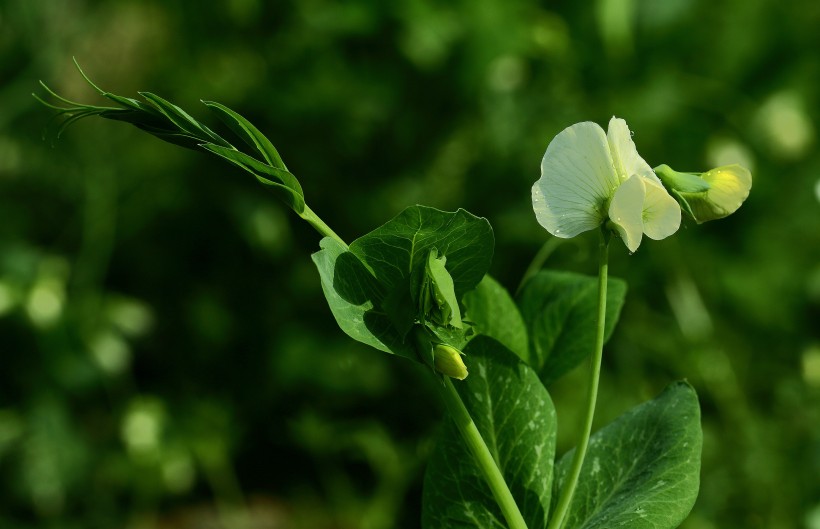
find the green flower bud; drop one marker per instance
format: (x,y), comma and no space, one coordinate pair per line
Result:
(711,195)
(448,361)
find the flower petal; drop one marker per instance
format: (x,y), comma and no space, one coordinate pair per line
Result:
(577,180)
(624,154)
(626,211)
(730,186)
(661,212)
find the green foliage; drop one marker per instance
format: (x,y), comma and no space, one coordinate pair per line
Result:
(374,287)
(438,297)
(493,313)
(643,470)
(170,123)
(559,311)
(162,277)
(515,415)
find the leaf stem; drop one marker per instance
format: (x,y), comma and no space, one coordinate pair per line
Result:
(559,515)
(475,443)
(319,225)
(538,261)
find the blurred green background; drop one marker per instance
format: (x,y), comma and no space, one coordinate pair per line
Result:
(168,359)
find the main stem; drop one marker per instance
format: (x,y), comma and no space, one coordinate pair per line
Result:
(469,431)
(559,515)
(475,443)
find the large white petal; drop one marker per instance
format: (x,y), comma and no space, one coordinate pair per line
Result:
(624,154)
(626,211)
(661,212)
(577,181)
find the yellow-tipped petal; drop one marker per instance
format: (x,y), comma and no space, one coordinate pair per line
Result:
(711,195)
(728,188)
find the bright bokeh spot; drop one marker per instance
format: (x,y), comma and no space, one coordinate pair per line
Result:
(130,316)
(726,151)
(45,302)
(111,352)
(142,427)
(785,126)
(811,366)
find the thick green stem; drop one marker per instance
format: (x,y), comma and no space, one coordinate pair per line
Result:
(483,458)
(319,225)
(559,515)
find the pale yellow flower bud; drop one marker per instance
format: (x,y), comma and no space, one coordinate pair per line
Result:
(448,361)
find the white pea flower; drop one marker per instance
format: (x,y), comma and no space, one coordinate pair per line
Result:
(589,177)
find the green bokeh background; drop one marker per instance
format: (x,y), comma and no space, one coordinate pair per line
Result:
(168,359)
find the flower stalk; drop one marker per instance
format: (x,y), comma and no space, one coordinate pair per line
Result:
(565,499)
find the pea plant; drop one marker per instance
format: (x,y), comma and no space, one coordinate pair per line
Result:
(417,287)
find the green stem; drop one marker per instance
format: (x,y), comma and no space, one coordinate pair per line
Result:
(319,225)
(558,516)
(482,456)
(538,261)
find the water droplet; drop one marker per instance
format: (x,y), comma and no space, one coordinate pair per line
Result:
(557,231)
(618,219)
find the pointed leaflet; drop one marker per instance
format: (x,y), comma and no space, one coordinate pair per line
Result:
(182,119)
(372,289)
(493,313)
(559,309)
(516,418)
(642,471)
(287,186)
(248,132)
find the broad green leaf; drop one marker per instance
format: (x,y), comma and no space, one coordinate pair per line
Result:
(350,290)
(248,132)
(284,182)
(493,313)
(397,252)
(516,418)
(643,470)
(372,289)
(559,309)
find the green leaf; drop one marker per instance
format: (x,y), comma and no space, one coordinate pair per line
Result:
(350,290)
(516,418)
(182,119)
(289,189)
(643,470)
(248,132)
(559,309)
(373,288)
(397,252)
(493,313)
